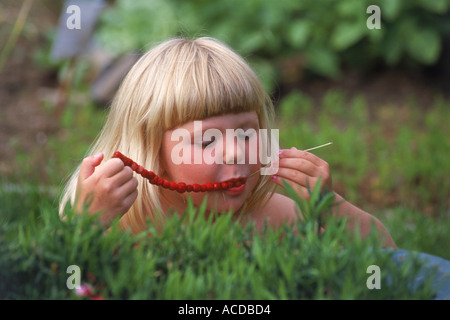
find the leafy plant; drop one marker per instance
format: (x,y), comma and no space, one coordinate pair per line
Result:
(287,38)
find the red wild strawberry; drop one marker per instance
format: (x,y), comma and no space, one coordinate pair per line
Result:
(181,186)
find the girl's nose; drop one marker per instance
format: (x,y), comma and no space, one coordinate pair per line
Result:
(234,150)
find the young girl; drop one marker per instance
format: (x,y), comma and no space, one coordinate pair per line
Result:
(172,86)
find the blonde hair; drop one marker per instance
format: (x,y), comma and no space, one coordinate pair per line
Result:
(179,80)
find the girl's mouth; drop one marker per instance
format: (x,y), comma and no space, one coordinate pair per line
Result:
(237,189)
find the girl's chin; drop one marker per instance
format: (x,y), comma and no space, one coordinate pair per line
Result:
(220,203)
(226,208)
(223,207)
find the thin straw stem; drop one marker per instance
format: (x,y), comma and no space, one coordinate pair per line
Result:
(15,33)
(323,145)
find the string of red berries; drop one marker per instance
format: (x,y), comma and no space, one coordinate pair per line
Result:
(180,186)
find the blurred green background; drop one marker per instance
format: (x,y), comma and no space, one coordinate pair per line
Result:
(380,95)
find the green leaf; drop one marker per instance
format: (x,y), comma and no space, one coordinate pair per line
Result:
(298,33)
(347,34)
(424,45)
(436,6)
(349,8)
(252,42)
(390,9)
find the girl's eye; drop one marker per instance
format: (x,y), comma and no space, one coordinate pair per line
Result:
(245,136)
(206,143)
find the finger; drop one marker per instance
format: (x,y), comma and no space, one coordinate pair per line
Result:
(296,176)
(129,193)
(123,176)
(300,164)
(301,191)
(89,164)
(121,208)
(128,187)
(111,167)
(294,153)
(129,200)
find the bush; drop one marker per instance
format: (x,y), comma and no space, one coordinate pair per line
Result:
(283,39)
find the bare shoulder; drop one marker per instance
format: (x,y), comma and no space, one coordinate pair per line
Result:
(277,210)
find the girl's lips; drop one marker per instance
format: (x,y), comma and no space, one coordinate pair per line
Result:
(236,190)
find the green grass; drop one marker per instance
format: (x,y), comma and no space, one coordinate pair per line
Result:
(413,230)
(194,258)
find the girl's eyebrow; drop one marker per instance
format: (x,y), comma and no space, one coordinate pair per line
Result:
(216,124)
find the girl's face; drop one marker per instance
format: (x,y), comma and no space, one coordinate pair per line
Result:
(191,156)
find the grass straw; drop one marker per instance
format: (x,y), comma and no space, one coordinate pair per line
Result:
(323,145)
(17,30)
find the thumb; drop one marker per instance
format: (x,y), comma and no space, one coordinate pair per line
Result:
(88,165)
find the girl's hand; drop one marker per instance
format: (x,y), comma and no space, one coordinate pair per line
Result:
(109,188)
(302,170)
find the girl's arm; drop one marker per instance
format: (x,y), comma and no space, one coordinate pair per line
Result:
(302,170)
(363,220)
